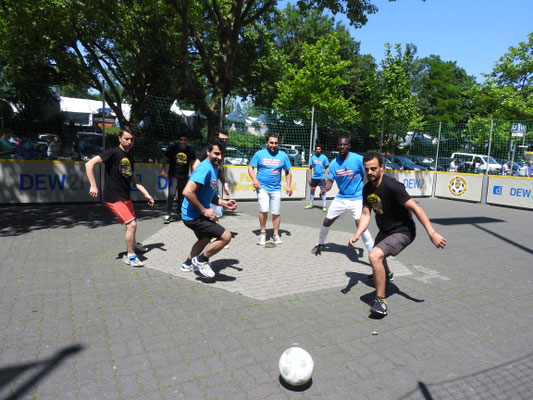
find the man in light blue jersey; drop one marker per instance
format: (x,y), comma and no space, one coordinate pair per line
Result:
(316,176)
(196,214)
(269,163)
(348,171)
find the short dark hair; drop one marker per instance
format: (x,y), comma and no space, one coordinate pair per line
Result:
(216,142)
(224,131)
(183,135)
(125,128)
(319,145)
(370,155)
(272,135)
(344,136)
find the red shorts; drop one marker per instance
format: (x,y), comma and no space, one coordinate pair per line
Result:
(123,210)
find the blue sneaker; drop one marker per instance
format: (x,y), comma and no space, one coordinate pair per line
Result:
(132,260)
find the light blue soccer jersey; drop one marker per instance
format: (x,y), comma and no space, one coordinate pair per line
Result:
(319,166)
(349,175)
(206,175)
(269,167)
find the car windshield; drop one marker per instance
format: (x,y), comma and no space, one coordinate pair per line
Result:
(491,160)
(405,161)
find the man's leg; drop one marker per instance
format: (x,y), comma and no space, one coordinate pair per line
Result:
(172,184)
(263,217)
(312,191)
(182,182)
(198,247)
(131,228)
(276,221)
(217,245)
(377,259)
(367,237)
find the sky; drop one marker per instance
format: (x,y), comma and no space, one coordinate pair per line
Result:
(474,33)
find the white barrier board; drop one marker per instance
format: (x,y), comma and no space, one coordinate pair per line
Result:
(511,191)
(459,186)
(417,183)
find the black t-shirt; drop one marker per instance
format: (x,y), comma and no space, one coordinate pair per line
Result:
(119,167)
(179,160)
(387,201)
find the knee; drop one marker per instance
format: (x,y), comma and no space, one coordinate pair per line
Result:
(226,236)
(375,256)
(327,222)
(132,226)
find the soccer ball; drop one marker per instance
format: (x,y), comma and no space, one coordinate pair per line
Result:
(296,366)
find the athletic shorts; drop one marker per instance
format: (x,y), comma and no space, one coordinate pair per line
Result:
(317,182)
(393,244)
(269,201)
(338,206)
(205,228)
(123,210)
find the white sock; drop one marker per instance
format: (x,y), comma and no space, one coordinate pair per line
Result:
(324,230)
(311,198)
(132,255)
(367,240)
(324,200)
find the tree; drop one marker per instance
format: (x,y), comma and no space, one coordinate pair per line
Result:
(317,82)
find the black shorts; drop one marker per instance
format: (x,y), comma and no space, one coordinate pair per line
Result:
(205,228)
(317,182)
(394,243)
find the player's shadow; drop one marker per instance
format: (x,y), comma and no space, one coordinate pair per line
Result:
(217,266)
(270,233)
(390,289)
(353,254)
(354,278)
(150,246)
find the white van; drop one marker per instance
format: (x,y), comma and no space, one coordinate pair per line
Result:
(477,163)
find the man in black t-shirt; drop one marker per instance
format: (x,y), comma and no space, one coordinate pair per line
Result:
(180,158)
(119,167)
(393,206)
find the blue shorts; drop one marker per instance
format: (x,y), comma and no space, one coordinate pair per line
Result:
(317,182)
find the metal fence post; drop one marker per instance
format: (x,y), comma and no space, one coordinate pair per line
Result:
(102,169)
(311,135)
(382,130)
(434,188)
(485,185)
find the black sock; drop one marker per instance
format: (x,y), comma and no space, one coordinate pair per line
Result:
(188,261)
(201,258)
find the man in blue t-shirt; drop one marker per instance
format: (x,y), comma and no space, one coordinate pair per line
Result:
(348,171)
(316,176)
(196,214)
(267,183)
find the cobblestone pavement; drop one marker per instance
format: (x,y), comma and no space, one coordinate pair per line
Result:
(78,323)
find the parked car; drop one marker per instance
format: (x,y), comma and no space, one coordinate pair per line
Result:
(422,161)
(294,156)
(87,145)
(390,165)
(405,163)
(31,149)
(234,156)
(443,164)
(299,152)
(145,150)
(14,141)
(478,163)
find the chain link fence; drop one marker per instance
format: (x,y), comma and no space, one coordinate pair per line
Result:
(32,115)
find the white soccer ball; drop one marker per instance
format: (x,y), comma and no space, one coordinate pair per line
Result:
(296,366)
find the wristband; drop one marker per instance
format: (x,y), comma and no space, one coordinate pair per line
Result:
(226,184)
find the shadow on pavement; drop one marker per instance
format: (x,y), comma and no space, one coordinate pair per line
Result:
(20,219)
(40,369)
(511,380)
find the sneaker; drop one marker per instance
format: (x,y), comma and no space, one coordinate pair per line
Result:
(133,261)
(140,248)
(325,209)
(378,306)
(318,249)
(309,206)
(203,267)
(390,277)
(262,239)
(166,220)
(188,268)
(276,239)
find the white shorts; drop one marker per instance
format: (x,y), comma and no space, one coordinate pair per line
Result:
(269,201)
(338,206)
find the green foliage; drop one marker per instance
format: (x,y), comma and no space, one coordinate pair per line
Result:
(317,82)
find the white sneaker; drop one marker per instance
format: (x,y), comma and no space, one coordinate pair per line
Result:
(262,239)
(133,260)
(166,220)
(188,268)
(203,267)
(276,239)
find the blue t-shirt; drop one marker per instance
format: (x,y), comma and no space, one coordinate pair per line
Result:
(269,168)
(349,176)
(319,166)
(206,175)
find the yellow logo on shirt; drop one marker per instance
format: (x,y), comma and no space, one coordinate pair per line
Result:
(375,203)
(125,167)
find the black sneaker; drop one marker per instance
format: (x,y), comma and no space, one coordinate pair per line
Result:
(378,306)
(390,277)
(317,250)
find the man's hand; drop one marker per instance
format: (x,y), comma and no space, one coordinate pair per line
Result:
(150,200)
(93,191)
(210,213)
(288,189)
(226,189)
(164,173)
(438,240)
(353,239)
(231,205)
(257,184)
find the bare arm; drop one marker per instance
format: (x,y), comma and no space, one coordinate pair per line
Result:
(435,238)
(288,177)
(327,186)
(190,194)
(364,221)
(251,172)
(164,166)
(309,174)
(89,170)
(142,189)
